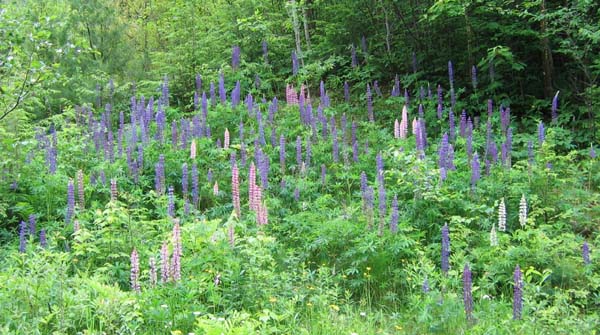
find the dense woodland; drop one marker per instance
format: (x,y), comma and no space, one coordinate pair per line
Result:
(299,167)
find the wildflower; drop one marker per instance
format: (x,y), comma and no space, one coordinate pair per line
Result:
(226,139)
(425,286)
(216,188)
(235,57)
(541,133)
(70,201)
(474,76)
(135,271)
(451,74)
(43,240)
(493,237)
(80,189)
(517,294)
(585,252)
(32,228)
(195,182)
(523,211)
(171,202)
(295,64)
(467,293)
(475,170)
(394,216)
(502,216)
(164,263)
(177,253)
(555,107)
(592,152)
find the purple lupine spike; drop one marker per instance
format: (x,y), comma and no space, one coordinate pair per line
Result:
(174,136)
(43,239)
(235,57)
(474,76)
(451,74)
(421,113)
(297,194)
(249,103)
(209,176)
(346,92)
(273,109)
(243,154)
(370,104)
(298,151)
(184,180)
(198,83)
(195,186)
(468,293)
(440,95)
(295,65)
(171,202)
(323,174)
(363,182)
(541,133)
(592,151)
(165,91)
(445,249)
(504,118)
(222,93)
(22,237)
(450,161)
(425,286)
(355,152)
(164,263)
(335,146)
(282,153)
(490,108)
(555,107)
(439,111)
(354,60)
(235,95)
(159,176)
(70,201)
(443,152)
(475,170)
(273,137)
(517,294)
(32,225)
(265,52)
(463,123)
(177,253)
(395,215)
(585,252)
(135,271)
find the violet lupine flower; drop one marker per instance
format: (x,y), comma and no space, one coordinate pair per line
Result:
(354,61)
(113,189)
(235,190)
(346,92)
(265,52)
(298,150)
(195,186)
(335,146)
(368,198)
(425,286)
(475,170)
(282,153)
(323,174)
(445,249)
(592,152)
(32,225)
(177,253)
(474,77)
(297,194)
(152,273)
(135,271)
(235,57)
(222,94)
(165,91)
(70,201)
(370,104)
(264,170)
(295,65)
(171,202)
(164,263)
(159,175)
(80,189)
(184,180)
(585,252)
(22,237)
(463,124)
(517,294)
(468,292)
(555,108)
(174,134)
(43,239)
(541,133)
(504,118)
(450,161)
(395,215)
(235,95)
(443,152)
(451,125)
(198,83)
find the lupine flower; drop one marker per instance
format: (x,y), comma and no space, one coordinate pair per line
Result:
(368,206)
(592,152)
(226,139)
(474,76)
(22,237)
(585,252)
(406,97)
(502,216)
(298,150)
(213,97)
(80,189)
(174,134)
(135,271)
(235,57)
(76,226)
(262,214)
(523,211)
(517,294)
(475,170)
(370,104)
(32,228)
(43,240)
(159,175)
(451,74)
(395,215)
(251,185)
(354,60)
(363,44)
(216,188)
(195,186)
(265,52)
(530,153)
(177,253)
(443,152)
(184,180)
(282,153)
(493,237)
(113,189)
(541,133)
(235,190)
(335,146)
(164,263)
(152,273)
(70,201)
(468,292)
(323,174)
(445,249)
(198,82)
(396,129)
(425,286)
(404,122)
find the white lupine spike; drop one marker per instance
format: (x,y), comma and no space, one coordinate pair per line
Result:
(502,216)
(396,129)
(523,211)
(493,237)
